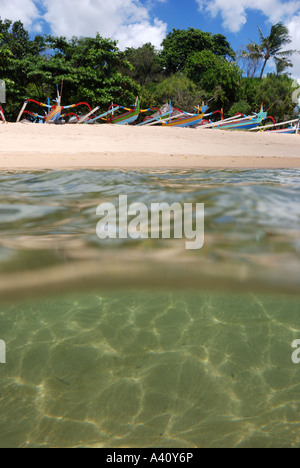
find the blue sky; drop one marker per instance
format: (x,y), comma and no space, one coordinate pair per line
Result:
(134,22)
(181,14)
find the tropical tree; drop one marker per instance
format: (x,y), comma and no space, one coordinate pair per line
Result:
(250,59)
(282,65)
(241,107)
(19,56)
(5,56)
(271,47)
(218,77)
(180,44)
(178,88)
(89,67)
(17,40)
(146,67)
(194,66)
(275,91)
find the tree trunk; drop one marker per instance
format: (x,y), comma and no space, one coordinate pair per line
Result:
(263,68)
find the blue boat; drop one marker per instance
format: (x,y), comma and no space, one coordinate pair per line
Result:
(246,123)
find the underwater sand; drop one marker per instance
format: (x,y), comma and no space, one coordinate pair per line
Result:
(143,344)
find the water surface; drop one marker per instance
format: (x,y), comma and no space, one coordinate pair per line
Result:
(142,343)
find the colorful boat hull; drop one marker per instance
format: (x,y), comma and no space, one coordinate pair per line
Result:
(248,123)
(240,126)
(54,114)
(289,131)
(187,121)
(127,118)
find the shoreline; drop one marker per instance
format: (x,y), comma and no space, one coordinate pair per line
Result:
(74,147)
(117,161)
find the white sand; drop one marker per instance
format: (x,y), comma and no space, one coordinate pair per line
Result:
(34,146)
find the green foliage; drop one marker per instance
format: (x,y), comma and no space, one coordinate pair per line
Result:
(146,67)
(271,46)
(220,78)
(241,107)
(22,56)
(251,61)
(5,56)
(193,66)
(179,45)
(147,97)
(178,88)
(17,40)
(88,67)
(274,91)
(90,70)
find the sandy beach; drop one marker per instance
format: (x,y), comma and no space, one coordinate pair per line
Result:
(32,146)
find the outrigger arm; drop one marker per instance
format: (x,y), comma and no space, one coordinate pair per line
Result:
(36,102)
(54,112)
(86,117)
(2,115)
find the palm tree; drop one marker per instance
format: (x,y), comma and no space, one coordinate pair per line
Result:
(271,47)
(251,58)
(282,64)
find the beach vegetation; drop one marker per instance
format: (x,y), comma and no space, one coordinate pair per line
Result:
(88,68)
(179,45)
(145,64)
(275,92)
(220,78)
(241,107)
(192,67)
(179,88)
(271,47)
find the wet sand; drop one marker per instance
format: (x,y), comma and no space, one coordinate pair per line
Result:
(31,147)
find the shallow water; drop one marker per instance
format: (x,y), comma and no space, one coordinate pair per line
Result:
(142,343)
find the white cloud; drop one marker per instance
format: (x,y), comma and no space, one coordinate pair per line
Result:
(294,28)
(23,10)
(137,34)
(234,12)
(234,15)
(125,20)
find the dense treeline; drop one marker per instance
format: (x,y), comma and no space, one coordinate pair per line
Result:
(192,66)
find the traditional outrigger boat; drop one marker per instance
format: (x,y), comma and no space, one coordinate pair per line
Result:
(291,129)
(239,122)
(2,116)
(187,120)
(127,118)
(175,117)
(54,113)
